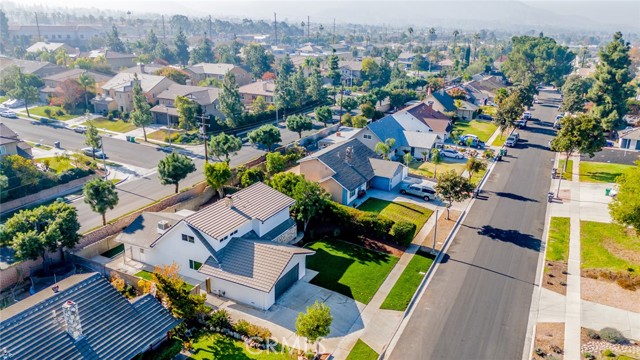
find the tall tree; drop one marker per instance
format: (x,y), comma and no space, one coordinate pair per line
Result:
(299,123)
(69,93)
(455,39)
(334,69)
(188,111)
(5,39)
(21,86)
(217,174)
(315,323)
(173,290)
(436,159)
(182,47)
(113,40)
(474,166)
(625,207)
(230,103)
(175,168)
(508,112)
(257,59)
(315,88)
(612,85)
(574,93)
(86,81)
(163,52)
(100,195)
(384,148)
(224,145)
(267,135)
(452,187)
(150,42)
(432,36)
(141,114)
(310,199)
(580,133)
(92,138)
(323,114)
(203,52)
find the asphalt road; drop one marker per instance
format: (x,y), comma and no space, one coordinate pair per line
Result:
(477,304)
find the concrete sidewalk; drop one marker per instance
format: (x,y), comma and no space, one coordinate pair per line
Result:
(573,304)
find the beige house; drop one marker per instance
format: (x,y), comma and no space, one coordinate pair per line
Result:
(250,92)
(51,82)
(167,113)
(203,71)
(115,60)
(51,47)
(10,144)
(118,92)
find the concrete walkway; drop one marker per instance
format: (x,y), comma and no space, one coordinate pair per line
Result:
(573,303)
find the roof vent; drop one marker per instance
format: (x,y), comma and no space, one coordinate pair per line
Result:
(55,289)
(163,226)
(228,200)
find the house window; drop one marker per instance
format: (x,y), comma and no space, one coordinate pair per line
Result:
(187,238)
(194,265)
(141,251)
(81,36)
(368,137)
(352,193)
(234,232)
(224,238)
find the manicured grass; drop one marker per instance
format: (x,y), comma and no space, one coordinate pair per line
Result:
(483,129)
(217,346)
(38,112)
(568,175)
(489,110)
(398,211)
(403,290)
(57,163)
(604,245)
(39,146)
(144,274)
(558,244)
(598,172)
(475,179)
(362,351)
(3,99)
(427,168)
(160,135)
(499,141)
(112,125)
(349,269)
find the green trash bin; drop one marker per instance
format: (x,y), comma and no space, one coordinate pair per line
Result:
(607,191)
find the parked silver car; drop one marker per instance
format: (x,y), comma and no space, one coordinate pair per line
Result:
(511,141)
(451,153)
(425,192)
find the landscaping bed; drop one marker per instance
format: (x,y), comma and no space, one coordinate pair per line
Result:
(444,228)
(549,341)
(403,290)
(117,125)
(594,347)
(597,172)
(610,294)
(398,211)
(58,164)
(557,255)
(39,111)
(349,269)
(362,351)
(147,275)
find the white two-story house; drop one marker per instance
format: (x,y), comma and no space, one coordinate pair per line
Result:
(238,246)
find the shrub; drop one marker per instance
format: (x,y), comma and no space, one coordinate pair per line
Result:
(540,352)
(59,112)
(228,189)
(251,176)
(47,112)
(354,222)
(166,351)
(295,153)
(608,353)
(403,232)
(612,335)
(588,355)
(242,327)
(220,318)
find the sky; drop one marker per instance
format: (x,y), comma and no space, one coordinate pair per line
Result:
(573,13)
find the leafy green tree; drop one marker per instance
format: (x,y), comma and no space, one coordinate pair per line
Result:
(251,176)
(625,207)
(230,102)
(367,110)
(183,304)
(259,105)
(203,52)
(86,81)
(150,42)
(33,233)
(92,138)
(436,159)
(384,148)
(380,94)
(612,85)
(323,114)
(467,57)
(182,47)
(474,166)
(452,187)
(315,323)
(257,59)
(286,68)
(370,70)
(21,86)
(228,54)
(298,84)
(359,121)
(574,93)
(315,89)
(141,113)
(267,135)
(163,52)
(310,199)
(407,158)
(174,168)
(113,40)
(187,113)
(276,162)
(508,112)
(299,123)
(224,145)
(174,74)
(5,39)
(348,104)
(334,70)
(217,174)
(285,182)
(580,133)
(100,195)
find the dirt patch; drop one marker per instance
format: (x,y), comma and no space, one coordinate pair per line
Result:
(393,249)
(555,277)
(632,256)
(444,228)
(549,340)
(595,346)
(609,293)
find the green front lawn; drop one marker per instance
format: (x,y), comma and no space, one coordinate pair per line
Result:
(598,172)
(112,125)
(59,164)
(349,269)
(558,244)
(220,347)
(489,110)
(608,246)
(3,99)
(427,168)
(568,175)
(483,129)
(38,112)
(403,290)
(398,211)
(362,351)
(499,141)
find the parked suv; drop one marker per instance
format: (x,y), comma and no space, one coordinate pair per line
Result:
(423,191)
(511,141)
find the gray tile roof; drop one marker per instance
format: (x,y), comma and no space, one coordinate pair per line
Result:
(7,136)
(258,201)
(113,327)
(75,75)
(631,134)
(202,95)
(252,263)
(122,80)
(143,230)
(211,68)
(386,168)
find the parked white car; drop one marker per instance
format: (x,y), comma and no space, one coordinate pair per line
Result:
(8,114)
(80,129)
(99,154)
(451,153)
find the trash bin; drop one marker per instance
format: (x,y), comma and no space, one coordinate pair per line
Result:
(57,144)
(607,191)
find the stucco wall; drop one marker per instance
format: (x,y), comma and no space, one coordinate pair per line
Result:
(243,294)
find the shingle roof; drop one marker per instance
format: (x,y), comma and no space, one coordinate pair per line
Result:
(40,68)
(75,74)
(252,263)
(200,94)
(444,99)
(348,173)
(143,230)
(258,201)
(632,134)
(210,68)
(7,136)
(49,46)
(421,139)
(113,327)
(263,88)
(386,168)
(390,127)
(122,80)
(436,120)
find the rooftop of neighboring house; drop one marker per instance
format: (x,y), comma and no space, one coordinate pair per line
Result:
(123,80)
(212,69)
(144,68)
(31,67)
(309,48)
(488,83)
(391,127)
(112,327)
(443,98)
(446,62)
(143,231)
(200,94)
(465,105)
(51,47)
(386,168)
(262,88)
(437,121)
(344,133)
(7,136)
(353,65)
(75,75)
(631,134)
(108,54)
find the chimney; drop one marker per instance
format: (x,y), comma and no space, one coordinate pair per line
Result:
(429,91)
(430,104)
(228,200)
(141,67)
(188,82)
(163,226)
(71,318)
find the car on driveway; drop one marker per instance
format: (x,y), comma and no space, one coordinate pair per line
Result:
(423,191)
(80,129)
(98,153)
(451,153)
(511,141)
(485,117)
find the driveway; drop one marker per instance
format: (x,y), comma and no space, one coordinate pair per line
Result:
(613,155)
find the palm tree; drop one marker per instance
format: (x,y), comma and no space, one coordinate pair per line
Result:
(476,37)
(436,159)
(86,81)
(432,35)
(410,30)
(455,39)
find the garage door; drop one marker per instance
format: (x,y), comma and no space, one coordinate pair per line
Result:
(286,281)
(396,179)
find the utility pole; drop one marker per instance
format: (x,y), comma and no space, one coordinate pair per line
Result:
(38,27)
(164,31)
(275,28)
(275,94)
(204,135)
(341,96)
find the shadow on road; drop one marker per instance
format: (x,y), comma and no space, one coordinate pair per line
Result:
(514,196)
(512,236)
(492,271)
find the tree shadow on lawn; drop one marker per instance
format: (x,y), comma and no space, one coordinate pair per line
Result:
(603,176)
(330,269)
(222,347)
(358,252)
(512,236)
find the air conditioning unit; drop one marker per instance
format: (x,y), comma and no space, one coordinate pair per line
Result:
(163,226)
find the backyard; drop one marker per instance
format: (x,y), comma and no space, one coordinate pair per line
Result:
(597,172)
(362,351)
(483,129)
(148,275)
(39,111)
(349,269)
(398,211)
(403,290)
(219,347)
(118,125)
(59,164)
(609,247)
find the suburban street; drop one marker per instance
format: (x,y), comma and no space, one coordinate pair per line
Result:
(477,303)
